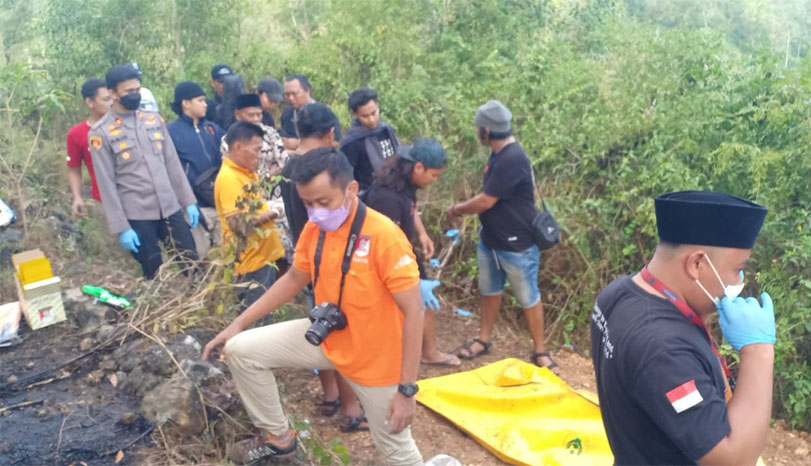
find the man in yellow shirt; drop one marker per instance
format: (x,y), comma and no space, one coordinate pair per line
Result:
(246,220)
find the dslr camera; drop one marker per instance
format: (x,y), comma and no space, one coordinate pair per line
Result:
(325,318)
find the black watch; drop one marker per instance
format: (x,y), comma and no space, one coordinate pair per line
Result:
(408,389)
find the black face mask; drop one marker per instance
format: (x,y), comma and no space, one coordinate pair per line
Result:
(131,101)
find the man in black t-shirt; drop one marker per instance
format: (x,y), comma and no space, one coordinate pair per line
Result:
(664,391)
(369,141)
(506,248)
(297,94)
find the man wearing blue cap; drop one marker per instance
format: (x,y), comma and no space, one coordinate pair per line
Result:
(666,393)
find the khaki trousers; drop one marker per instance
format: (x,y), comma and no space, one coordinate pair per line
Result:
(253,354)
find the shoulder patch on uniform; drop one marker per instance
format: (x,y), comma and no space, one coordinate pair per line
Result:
(95,142)
(685,396)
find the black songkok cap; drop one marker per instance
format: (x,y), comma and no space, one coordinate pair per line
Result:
(121,73)
(708,218)
(248,100)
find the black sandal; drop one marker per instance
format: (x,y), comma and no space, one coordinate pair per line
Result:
(353,424)
(329,408)
(468,346)
(534,358)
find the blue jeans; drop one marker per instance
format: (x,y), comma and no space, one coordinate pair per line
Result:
(520,268)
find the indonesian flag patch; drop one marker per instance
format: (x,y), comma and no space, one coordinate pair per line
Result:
(685,396)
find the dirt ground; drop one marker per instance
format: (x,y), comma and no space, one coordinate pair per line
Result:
(434,434)
(76,416)
(80,418)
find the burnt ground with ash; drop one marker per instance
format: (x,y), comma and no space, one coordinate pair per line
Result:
(77,415)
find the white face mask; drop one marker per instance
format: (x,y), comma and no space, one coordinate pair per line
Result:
(730,291)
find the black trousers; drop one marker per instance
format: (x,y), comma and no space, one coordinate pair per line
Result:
(261,280)
(172,231)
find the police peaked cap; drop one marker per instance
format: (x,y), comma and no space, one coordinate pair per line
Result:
(248,100)
(121,73)
(708,218)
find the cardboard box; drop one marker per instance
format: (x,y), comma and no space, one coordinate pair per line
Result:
(39,292)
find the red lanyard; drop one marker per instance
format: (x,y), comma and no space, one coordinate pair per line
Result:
(688,313)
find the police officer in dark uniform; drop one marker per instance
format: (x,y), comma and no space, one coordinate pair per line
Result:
(143,188)
(665,392)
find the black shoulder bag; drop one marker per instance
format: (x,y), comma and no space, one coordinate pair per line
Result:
(351,243)
(543,226)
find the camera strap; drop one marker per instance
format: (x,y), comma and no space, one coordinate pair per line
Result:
(351,244)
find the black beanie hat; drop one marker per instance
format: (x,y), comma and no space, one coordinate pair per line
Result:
(184,91)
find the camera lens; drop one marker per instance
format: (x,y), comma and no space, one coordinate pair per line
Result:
(316,333)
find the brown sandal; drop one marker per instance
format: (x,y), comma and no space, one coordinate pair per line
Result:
(468,346)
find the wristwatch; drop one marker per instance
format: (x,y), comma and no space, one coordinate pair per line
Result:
(408,389)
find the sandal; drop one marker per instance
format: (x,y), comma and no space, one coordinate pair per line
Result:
(468,346)
(544,354)
(329,408)
(449,361)
(353,424)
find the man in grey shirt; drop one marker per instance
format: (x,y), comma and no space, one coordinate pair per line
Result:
(140,178)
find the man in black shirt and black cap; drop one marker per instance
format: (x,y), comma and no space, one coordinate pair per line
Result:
(269,91)
(665,391)
(214,110)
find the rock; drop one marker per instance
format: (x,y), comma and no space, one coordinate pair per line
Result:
(11,379)
(156,360)
(86,314)
(139,382)
(94,377)
(128,418)
(130,354)
(11,239)
(108,364)
(87,343)
(5,447)
(175,405)
(105,332)
(201,373)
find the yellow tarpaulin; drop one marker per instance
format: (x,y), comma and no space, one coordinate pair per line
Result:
(522,413)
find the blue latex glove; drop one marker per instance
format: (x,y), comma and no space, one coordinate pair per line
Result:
(194,215)
(427,294)
(129,240)
(744,321)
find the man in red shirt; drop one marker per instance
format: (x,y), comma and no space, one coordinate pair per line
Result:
(98,100)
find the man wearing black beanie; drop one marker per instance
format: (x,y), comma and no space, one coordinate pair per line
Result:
(143,188)
(197,141)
